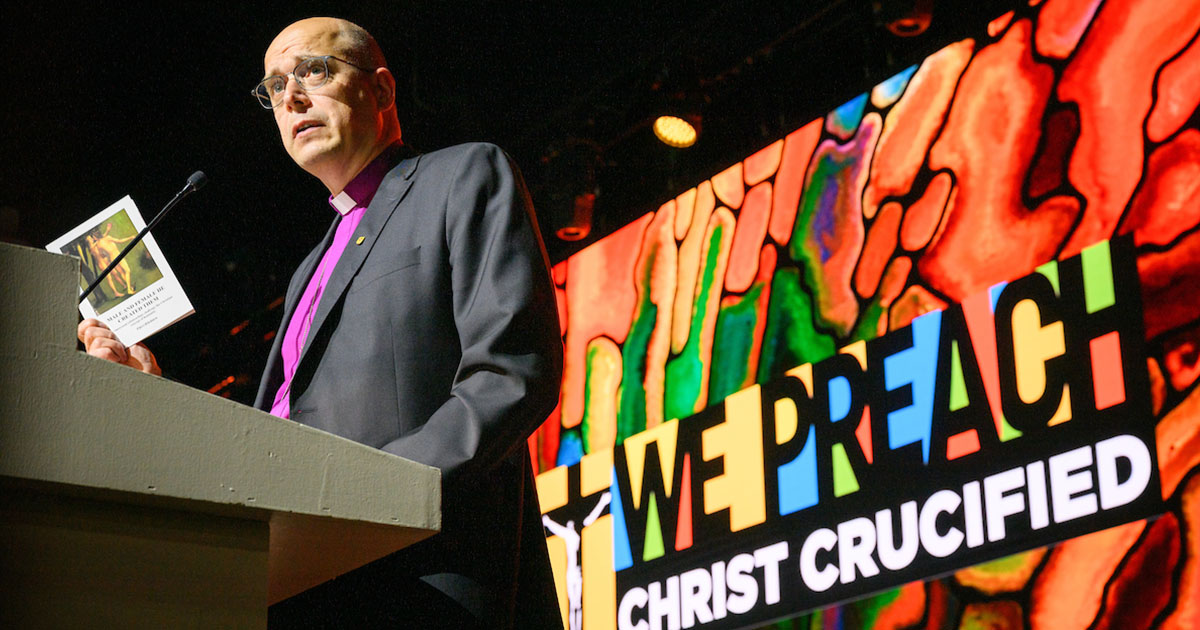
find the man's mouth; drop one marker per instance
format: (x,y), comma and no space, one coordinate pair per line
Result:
(301,128)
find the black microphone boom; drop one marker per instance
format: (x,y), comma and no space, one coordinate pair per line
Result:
(194,183)
(197,180)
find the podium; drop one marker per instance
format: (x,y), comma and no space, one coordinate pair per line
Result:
(130,501)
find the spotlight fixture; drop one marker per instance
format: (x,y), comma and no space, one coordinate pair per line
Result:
(676,131)
(568,190)
(677,100)
(579,223)
(905,18)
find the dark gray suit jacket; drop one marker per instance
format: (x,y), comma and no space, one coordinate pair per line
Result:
(437,339)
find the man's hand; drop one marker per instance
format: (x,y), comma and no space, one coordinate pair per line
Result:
(100,341)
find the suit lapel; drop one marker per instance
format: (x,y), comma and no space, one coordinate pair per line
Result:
(391,192)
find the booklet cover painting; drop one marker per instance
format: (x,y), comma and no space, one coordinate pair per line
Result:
(141,295)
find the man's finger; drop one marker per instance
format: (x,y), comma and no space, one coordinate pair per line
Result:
(108,353)
(84,326)
(94,333)
(140,358)
(109,349)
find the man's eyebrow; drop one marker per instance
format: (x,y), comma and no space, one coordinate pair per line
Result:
(273,74)
(299,59)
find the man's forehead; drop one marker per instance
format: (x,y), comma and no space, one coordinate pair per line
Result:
(303,39)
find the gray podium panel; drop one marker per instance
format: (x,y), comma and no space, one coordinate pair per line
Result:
(121,490)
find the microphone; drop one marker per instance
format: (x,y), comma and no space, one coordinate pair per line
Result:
(197,180)
(194,183)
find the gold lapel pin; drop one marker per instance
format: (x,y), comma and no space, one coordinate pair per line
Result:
(360,240)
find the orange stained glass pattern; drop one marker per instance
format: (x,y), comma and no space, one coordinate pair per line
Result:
(684,205)
(1062,24)
(598,281)
(797,149)
(913,123)
(689,265)
(925,214)
(1166,206)
(1063,123)
(728,186)
(762,165)
(1108,81)
(1067,594)
(1176,95)
(748,239)
(1006,575)
(989,234)
(881,243)
(1187,590)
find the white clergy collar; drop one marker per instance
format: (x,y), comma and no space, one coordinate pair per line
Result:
(343,203)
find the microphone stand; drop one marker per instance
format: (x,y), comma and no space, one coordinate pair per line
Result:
(194,183)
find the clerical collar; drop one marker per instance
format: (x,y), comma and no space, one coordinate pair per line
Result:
(361,190)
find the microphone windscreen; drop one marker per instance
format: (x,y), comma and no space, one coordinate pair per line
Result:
(197,180)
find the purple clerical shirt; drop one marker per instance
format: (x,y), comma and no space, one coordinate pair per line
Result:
(351,204)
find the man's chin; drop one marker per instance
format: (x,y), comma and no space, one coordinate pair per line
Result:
(311,155)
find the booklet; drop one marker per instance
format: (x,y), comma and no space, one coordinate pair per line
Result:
(141,295)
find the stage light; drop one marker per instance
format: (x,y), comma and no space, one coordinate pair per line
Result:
(677,132)
(905,18)
(566,198)
(579,223)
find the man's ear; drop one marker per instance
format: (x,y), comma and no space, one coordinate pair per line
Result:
(384,85)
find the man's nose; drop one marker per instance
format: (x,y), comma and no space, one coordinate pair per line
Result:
(294,96)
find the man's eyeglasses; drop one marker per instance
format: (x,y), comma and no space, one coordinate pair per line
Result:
(310,74)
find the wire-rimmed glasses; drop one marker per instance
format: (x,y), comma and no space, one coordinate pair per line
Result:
(310,74)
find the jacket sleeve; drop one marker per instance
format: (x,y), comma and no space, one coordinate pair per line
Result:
(507,381)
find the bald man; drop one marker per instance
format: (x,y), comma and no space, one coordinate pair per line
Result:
(423,324)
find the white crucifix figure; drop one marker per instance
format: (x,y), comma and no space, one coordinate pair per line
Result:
(571,537)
